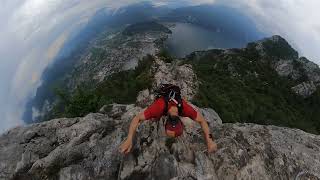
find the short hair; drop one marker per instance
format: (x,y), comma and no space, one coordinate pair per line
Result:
(173,119)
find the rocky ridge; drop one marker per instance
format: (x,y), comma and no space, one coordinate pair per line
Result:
(87,147)
(278,53)
(288,64)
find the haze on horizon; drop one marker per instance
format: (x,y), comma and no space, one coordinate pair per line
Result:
(33,32)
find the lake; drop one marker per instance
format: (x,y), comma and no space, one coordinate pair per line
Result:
(187,38)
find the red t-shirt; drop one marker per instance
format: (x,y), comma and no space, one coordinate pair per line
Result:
(156,109)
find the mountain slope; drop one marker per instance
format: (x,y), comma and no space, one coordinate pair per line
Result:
(264,83)
(87,147)
(110,53)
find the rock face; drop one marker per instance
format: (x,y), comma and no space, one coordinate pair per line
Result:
(303,69)
(275,46)
(305,89)
(286,62)
(87,148)
(286,68)
(173,73)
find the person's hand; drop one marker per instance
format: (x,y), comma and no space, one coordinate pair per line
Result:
(126,146)
(212,146)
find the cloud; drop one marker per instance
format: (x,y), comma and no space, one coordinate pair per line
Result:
(32,32)
(181,3)
(295,20)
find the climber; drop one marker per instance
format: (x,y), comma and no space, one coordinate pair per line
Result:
(170,103)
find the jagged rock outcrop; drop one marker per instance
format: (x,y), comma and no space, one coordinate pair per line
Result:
(303,69)
(286,61)
(311,69)
(264,83)
(305,89)
(87,148)
(173,73)
(275,46)
(286,68)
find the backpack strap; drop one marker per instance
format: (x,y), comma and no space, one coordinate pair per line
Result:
(178,100)
(170,92)
(180,106)
(166,102)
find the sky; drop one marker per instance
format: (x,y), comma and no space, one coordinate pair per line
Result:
(33,31)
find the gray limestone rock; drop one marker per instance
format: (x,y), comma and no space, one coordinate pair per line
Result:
(286,68)
(181,75)
(311,69)
(305,89)
(145,98)
(87,148)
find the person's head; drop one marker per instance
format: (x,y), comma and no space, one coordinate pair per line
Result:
(173,119)
(173,126)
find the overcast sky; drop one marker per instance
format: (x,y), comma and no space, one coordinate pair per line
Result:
(33,31)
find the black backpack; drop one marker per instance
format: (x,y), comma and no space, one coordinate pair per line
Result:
(170,92)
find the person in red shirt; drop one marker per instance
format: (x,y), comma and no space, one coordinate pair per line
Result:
(157,110)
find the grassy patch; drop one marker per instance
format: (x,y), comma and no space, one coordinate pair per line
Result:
(165,56)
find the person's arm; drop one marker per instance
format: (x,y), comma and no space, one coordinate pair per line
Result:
(126,146)
(190,112)
(134,125)
(155,110)
(212,146)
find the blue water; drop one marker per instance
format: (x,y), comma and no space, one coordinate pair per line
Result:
(208,27)
(187,38)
